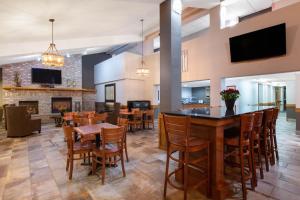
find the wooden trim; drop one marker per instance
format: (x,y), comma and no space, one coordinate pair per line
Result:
(12,88)
(290,105)
(297,110)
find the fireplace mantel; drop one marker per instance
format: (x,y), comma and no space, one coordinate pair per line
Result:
(48,89)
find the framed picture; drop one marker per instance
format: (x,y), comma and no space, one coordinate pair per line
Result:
(231,87)
(110,92)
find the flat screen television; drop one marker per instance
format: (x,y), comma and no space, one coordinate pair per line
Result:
(264,43)
(45,76)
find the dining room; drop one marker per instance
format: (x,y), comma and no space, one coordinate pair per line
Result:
(111,115)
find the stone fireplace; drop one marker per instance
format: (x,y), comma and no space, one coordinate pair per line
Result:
(59,104)
(32,106)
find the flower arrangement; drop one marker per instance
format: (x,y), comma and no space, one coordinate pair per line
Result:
(230,94)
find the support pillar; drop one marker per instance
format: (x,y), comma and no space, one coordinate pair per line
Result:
(216,86)
(170,55)
(297,93)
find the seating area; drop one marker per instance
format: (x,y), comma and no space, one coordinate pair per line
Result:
(150,100)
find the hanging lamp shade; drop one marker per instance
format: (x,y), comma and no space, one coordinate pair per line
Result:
(142,70)
(51,56)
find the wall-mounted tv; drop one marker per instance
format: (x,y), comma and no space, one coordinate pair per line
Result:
(264,43)
(45,76)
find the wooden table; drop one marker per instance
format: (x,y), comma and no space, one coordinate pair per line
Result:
(57,120)
(209,124)
(94,129)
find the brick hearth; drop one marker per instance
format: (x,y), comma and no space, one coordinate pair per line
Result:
(71,71)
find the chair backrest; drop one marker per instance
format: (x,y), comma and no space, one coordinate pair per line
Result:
(177,129)
(267,120)
(258,120)
(113,136)
(123,122)
(68,132)
(246,128)
(70,114)
(122,110)
(150,114)
(137,114)
(83,121)
(102,117)
(135,109)
(275,116)
(17,120)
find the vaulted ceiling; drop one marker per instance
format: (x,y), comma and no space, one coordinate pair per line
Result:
(81,25)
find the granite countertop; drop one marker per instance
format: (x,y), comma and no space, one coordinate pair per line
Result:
(218,112)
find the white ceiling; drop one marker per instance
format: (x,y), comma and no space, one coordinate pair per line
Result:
(88,26)
(81,25)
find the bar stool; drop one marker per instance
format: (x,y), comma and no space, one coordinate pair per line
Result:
(265,137)
(241,150)
(177,130)
(255,145)
(273,134)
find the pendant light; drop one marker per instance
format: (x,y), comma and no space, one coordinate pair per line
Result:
(51,57)
(142,70)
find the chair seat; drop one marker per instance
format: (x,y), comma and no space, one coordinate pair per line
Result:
(233,141)
(109,149)
(79,147)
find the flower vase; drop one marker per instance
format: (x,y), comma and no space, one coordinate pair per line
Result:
(230,104)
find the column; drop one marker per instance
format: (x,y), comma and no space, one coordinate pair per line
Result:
(297,93)
(170,55)
(216,86)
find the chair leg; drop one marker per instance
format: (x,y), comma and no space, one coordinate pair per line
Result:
(126,153)
(272,148)
(208,173)
(68,163)
(275,143)
(186,176)
(166,174)
(266,154)
(123,166)
(103,169)
(260,162)
(252,153)
(252,170)
(71,167)
(243,174)
(94,164)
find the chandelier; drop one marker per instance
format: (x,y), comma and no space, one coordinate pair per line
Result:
(51,57)
(142,70)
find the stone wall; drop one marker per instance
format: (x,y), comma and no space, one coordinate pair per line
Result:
(72,70)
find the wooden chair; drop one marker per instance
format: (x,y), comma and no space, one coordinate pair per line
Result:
(265,137)
(137,120)
(177,130)
(238,148)
(70,114)
(255,145)
(124,123)
(111,148)
(273,135)
(99,118)
(149,118)
(74,149)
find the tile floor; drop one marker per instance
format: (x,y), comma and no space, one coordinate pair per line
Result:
(34,168)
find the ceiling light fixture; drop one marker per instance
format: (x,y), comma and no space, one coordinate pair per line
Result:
(142,70)
(52,57)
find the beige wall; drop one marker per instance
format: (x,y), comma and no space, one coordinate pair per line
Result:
(209,54)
